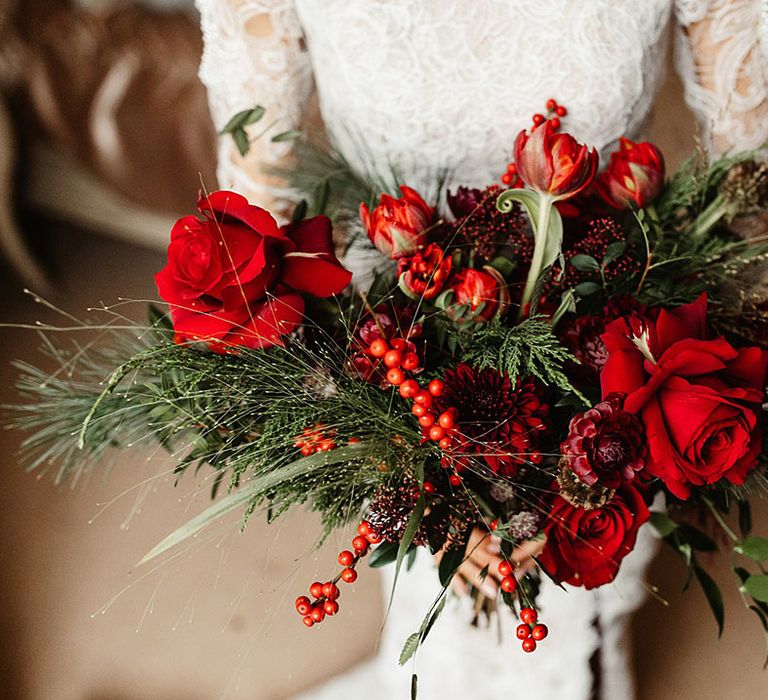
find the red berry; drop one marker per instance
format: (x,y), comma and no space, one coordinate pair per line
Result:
(378,347)
(446,420)
(523,631)
(555,123)
(505,568)
(529,616)
(395,376)
(424,398)
(512,168)
(317,614)
(393,358)
(493,525)
(436,387)
(409,388)
(551,104)
(316,589)
(326,445)
(454,480)
(529,645)
(360,544)
(346,557)
(308,621)
(538,119)
(307,450)
(445,443)
(539,632)
(418,410)
(303,605)
(363,528)
(349,575)
(331,607)
(508,584)
(561,111)
(331,590)
(354,441)
(398,344)
(373,537)
(429,487)
(427,420)
(506,179)
(410,361)
(436,433)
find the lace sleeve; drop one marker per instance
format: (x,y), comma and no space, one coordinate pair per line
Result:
(254,53)
(722,55)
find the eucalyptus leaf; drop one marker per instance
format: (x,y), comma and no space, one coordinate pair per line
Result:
(584,263)
(613,251)
(662,523)
(757,587)
(450,562)
(753,547)
(243,143)
(586,288)
(384,554)
(713,595)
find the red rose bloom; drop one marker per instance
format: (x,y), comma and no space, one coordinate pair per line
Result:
(397,227)
(424,275)
(698,398)
(635,175)
(554,163)
(585,547)
(235,278)
(478,295)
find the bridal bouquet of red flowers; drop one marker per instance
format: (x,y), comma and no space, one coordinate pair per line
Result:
(535,360)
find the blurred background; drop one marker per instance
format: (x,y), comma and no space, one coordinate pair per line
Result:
(105,138)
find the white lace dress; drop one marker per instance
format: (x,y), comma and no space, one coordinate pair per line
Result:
(447,84)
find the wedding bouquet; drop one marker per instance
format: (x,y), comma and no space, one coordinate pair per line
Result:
(536,360)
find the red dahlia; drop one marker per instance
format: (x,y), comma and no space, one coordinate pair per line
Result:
(583,340)
(497,421)
(605,444)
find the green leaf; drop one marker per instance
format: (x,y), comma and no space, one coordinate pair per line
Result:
(449,564)
(407,539)
(745,518)
(586,288)
(242,119)
(713,595)
(286,136)
(409,648)
(300,212)
(257,486)
(384,554)
(757,587)
(414,686)
(613,251)
(242,141)
(584,263)
(662,523)
(697,539)
(753,547)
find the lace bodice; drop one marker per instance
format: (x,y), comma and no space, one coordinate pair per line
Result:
(435,84)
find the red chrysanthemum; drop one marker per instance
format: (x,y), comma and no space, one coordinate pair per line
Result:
(605,444)
(498,422)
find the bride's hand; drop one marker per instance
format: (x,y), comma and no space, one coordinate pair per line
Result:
(484,550)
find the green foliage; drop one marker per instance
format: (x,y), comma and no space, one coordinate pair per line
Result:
(528,349)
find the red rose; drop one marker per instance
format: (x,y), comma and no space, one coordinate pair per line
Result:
(585,547)
(235,278)
(424,275)
(398,227)
(477,295)
(553,163)
(698,398)
(635,174)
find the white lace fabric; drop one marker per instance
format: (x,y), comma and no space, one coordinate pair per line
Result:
(447,84)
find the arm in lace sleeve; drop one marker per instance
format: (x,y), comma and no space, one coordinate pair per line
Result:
(254,55)
(722,55)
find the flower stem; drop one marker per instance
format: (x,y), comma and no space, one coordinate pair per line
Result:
(709,217)
(540,230)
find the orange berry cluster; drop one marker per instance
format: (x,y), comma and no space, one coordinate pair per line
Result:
(530,631)
(324,596)
(315,439)
(396,356)
(554,112)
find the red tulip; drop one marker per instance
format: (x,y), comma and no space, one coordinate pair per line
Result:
(424,275)
(634,175)
(398,227)
(478,295)
(553,163)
